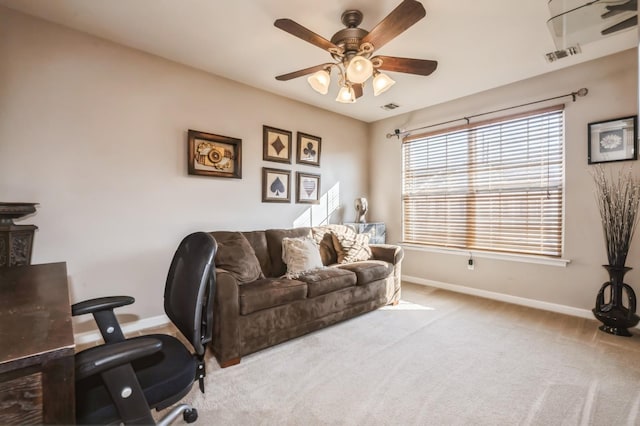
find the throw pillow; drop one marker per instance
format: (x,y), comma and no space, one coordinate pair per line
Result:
(301,255)
(236,256)
(351,247)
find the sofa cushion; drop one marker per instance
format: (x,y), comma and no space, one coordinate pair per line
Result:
(258,241)
(269,292)
(236,256)
(301,255)
(274,242)
(369,271)
(326,280)
(351,247)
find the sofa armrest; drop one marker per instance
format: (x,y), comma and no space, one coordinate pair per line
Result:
(226,313)
(387,252)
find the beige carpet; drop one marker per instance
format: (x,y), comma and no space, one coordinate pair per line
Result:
(439,358)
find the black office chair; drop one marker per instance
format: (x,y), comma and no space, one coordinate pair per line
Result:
(123,379)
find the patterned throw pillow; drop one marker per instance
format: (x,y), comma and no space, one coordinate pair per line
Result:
(351,247)
(301,255)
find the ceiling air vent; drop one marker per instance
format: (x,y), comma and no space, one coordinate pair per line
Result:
(559,54)
(389,107)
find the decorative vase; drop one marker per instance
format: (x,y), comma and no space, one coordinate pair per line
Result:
(614,315)
(16,241)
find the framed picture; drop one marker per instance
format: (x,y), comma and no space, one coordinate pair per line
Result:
(613,140)
(307,188)
(308,149)
(276,185)
(214,155)
(276,145)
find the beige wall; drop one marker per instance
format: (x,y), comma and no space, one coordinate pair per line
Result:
(612,84)
(96,133)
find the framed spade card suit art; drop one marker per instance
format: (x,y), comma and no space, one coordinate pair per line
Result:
(276,185)
(307,188)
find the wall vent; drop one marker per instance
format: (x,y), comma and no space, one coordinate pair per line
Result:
(559,54)
(389,107)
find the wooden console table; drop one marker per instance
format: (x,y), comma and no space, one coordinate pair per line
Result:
(36,346)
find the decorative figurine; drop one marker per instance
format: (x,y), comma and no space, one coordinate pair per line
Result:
(361,210)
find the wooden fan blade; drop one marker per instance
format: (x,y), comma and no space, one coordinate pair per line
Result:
(406,65)
(357,89)
(400,19)
(300,73)
(627,23)
(305,34)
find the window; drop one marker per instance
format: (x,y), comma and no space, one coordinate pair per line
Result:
(494,186)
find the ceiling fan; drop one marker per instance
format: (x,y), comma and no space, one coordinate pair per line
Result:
(352,50)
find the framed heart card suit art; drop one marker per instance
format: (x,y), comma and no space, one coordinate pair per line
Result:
(307,188)
(308,149)
(276,185)
(276,145)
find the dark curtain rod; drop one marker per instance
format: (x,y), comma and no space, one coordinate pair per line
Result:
(398,132)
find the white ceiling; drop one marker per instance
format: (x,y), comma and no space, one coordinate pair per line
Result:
(478,44)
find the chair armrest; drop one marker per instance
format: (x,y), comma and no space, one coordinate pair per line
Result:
(102,310)
(101,358)
(387,252)
(100,304)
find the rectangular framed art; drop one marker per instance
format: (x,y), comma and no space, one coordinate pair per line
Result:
(214,155)
(613,140)
(307,188)
(276,145)
(276,185)
(308,149)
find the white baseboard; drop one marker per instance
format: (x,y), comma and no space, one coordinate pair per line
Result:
(130,327)
(516,300)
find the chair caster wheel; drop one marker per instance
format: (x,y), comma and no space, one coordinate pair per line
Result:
(190,416)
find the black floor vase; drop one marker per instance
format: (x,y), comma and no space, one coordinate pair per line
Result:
(610,309)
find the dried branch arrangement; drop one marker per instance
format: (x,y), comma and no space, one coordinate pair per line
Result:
(618,201)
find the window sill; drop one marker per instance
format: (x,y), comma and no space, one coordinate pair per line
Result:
(541,260)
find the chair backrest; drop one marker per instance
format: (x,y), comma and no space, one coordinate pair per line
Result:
(190,289)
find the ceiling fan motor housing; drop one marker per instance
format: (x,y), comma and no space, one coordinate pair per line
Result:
(349,38)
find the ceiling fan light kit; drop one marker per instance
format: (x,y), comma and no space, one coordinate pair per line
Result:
(319,81)
(346,95)
(359,69)
(381,83)
(352,47)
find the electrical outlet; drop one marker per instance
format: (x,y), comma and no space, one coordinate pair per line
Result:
(470,264)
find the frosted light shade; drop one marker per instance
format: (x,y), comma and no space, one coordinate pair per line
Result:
(319,81)
(359,69)
(346,95)
(381,83)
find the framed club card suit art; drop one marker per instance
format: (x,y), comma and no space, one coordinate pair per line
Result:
(307,188)
(308,149)
(276,185)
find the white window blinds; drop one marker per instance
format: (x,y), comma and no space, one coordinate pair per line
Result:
(494,186)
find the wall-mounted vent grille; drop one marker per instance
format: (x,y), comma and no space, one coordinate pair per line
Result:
(389,107)
(559,54)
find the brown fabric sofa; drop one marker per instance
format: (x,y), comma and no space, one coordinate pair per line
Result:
(252,313)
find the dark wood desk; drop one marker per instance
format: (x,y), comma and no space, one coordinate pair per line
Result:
(36,346)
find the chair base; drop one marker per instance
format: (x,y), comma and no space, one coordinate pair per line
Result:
(189,414)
